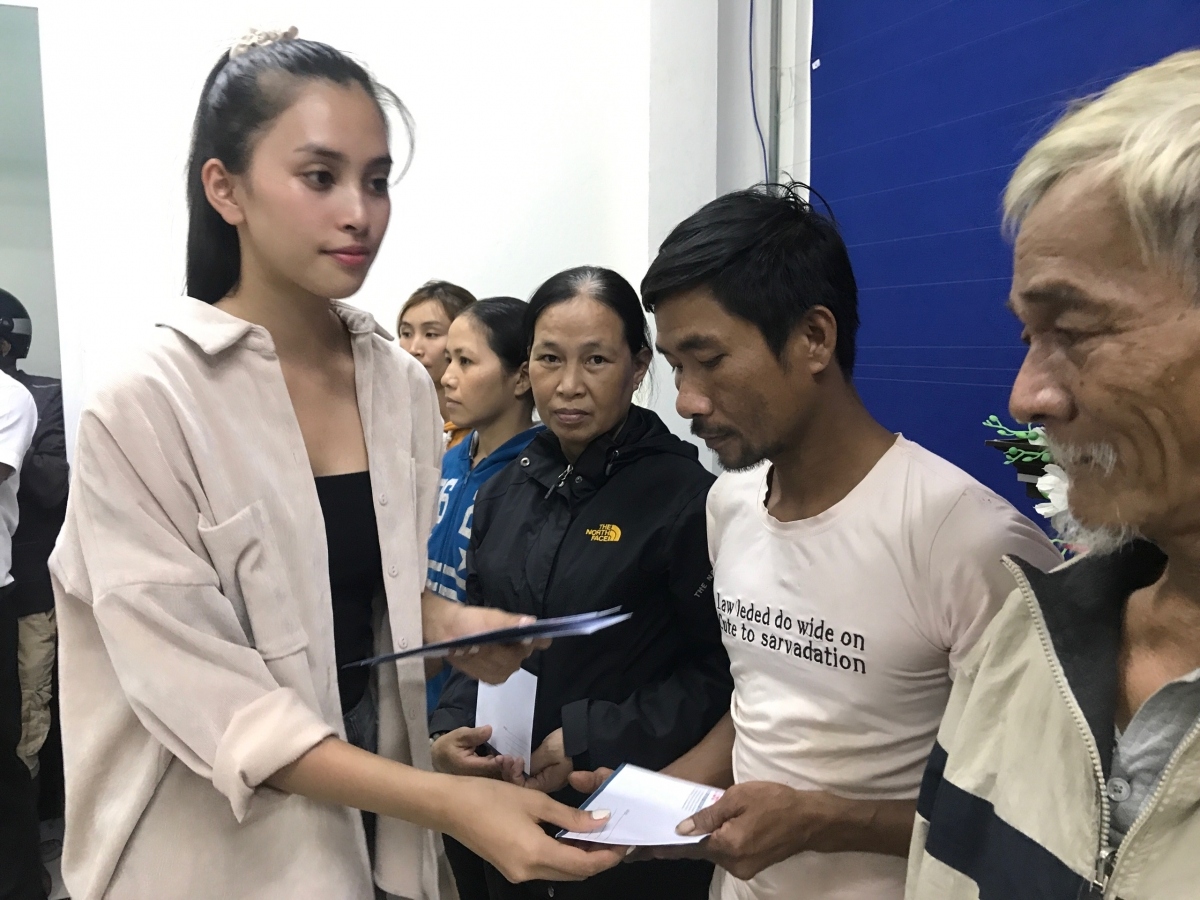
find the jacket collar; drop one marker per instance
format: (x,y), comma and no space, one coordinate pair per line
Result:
(213,330)
(498,458)
(508,451)
(642,433)
(1083,606)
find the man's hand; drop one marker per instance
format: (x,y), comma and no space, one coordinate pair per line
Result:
(549,766)
(752,826)
(454,753)
(759,823)
(500,823)
(444,620)
(512,770)
(589,782)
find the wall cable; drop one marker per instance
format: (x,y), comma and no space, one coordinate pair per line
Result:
(754,103)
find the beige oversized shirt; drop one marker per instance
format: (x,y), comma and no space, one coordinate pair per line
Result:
(197,656)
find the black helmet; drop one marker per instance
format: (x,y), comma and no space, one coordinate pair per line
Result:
(15,325)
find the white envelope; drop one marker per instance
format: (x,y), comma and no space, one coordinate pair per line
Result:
(646,808)
(508,708)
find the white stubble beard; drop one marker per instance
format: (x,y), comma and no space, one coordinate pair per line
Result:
(1099,540)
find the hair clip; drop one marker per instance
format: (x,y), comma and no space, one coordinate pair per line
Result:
(256,38)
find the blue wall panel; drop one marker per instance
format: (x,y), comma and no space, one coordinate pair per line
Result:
(920,111)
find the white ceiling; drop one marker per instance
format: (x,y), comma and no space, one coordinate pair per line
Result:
(22,133)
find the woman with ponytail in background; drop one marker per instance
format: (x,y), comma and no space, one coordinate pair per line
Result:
(250,510)
(485,383)
(422,328)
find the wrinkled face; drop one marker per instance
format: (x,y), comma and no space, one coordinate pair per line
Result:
(478,391)
(313,204)
(742,401)
(423,331)
(582,371)
(1113,367)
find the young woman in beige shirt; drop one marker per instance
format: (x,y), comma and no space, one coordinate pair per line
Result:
(203,730)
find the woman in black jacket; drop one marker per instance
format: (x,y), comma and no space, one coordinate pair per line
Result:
(605,508)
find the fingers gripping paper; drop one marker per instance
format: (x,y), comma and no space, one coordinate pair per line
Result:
(646,808)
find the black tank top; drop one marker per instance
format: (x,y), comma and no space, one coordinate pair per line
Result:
(355,574)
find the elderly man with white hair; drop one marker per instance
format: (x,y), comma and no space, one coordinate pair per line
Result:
(1068,762)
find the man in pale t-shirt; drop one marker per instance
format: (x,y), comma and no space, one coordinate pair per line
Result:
(852,573)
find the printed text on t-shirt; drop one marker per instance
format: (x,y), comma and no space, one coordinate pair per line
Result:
(810,639)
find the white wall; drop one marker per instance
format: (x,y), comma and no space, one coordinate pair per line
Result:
(26,259)
(549,135)
(27,263)
(682,160)
(795,100)
(739,154)
(531,146)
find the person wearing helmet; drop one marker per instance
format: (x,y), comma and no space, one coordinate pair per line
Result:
(21,873)
(42,506)
(16,329)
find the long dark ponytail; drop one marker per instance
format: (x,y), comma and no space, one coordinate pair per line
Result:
(236,105)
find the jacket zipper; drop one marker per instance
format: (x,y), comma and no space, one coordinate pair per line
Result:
(1150,804)
(1105,855)
(562,479)
(1106,861)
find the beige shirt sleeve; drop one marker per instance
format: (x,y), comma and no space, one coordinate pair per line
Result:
(133,550)
(967,571)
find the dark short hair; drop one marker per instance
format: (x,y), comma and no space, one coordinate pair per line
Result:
(603,285)
(238,101)
(452,298)
(768,257)
(503,323)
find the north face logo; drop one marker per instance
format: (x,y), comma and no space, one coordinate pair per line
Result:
(606,533)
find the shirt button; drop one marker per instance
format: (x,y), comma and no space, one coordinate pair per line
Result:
(393,571)
(403,643)
(549,892)
(1118,790)
(524,460)
(383,499)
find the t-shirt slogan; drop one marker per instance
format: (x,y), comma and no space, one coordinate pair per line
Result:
(809,639)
